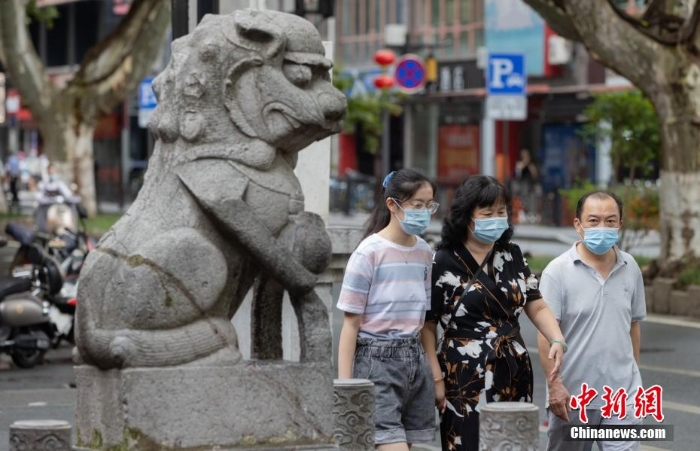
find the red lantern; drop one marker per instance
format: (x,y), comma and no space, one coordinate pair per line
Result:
(384,57)
(384,81)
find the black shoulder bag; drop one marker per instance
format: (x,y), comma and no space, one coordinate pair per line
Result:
(464,293)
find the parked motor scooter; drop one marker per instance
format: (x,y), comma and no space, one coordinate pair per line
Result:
(26,331)
(36,260)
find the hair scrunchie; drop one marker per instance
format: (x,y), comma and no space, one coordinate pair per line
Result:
(387,179)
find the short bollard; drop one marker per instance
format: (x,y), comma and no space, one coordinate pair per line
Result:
(353,409)
(40,435)
(509,425)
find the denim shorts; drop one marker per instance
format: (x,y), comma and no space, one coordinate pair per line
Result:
(404,389)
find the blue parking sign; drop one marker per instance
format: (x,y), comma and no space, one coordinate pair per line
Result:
(505,74)
(147,99)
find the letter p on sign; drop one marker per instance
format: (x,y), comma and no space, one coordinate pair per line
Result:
(506,75)
(500,69)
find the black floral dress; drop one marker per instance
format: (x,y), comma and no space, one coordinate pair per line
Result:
(483,356)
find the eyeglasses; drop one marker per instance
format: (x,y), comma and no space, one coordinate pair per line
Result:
(431,207)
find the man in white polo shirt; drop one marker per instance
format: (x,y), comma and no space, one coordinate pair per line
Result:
(596,292)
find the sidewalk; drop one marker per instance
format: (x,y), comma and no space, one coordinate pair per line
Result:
(523,232)
(528,232)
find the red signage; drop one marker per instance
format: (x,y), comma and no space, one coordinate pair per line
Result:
(458,152)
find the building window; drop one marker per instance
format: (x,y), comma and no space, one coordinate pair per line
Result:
(435,13)
(478,38)
(346,18)
(464,49)
(449,12)
(478,11)
(347,53)
(400,8)
(451,44)
(465,11)
(368,15)
(378,25)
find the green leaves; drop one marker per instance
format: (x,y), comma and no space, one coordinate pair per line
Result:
(46,14)
(629,120)
(365,111)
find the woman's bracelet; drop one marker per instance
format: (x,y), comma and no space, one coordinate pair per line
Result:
(563,345)
(439,379)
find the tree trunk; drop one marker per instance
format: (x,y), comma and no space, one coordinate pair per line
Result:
(69,149)
(84,169)
(679,113)
(110,71)
(668,73)
(3,202)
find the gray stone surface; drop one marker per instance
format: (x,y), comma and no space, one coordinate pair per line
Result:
(220,209)
(662,288)
(242,94)
(509,426)
(353,410)
(678,303)
(693,300)
(264,404)
(40,435)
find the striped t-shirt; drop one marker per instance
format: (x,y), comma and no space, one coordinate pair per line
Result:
(389,285)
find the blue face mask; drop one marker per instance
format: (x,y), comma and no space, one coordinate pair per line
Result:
(600,240)
(415,221)
(489,230)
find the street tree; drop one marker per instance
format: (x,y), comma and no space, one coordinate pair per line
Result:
(365,111)
(110,71)
(657,51)
(628,120)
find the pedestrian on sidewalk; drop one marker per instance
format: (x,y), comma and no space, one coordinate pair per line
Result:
(527,186)
(480,285)
(13,171)
(596,292)
(385,295)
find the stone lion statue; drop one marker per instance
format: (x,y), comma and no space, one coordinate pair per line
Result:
(242,94)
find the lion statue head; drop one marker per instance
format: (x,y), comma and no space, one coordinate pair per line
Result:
(247,85)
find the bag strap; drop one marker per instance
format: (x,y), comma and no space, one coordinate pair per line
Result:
(466,290)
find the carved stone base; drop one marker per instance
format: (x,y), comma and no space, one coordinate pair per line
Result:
(509,425)
(353,411)
(40,435)
(257,405)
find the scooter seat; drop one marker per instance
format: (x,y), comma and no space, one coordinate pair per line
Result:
(13,285)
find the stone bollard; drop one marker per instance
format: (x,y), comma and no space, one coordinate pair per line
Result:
(353,410)
(40,435)
(509,425)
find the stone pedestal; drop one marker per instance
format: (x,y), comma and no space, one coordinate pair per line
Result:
(286,406)
(662,288)
(40,435)
(509,425)
(353,410)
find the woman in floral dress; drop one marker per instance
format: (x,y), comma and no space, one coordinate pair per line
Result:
(482,357)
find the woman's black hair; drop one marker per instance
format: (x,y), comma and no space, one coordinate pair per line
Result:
(400,185)
(476,191)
